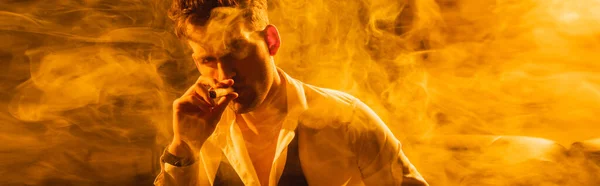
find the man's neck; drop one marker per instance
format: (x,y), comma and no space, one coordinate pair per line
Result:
(272,111)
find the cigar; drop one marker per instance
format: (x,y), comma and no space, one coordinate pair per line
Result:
(218,92)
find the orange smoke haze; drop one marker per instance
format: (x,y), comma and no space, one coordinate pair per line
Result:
(479,92)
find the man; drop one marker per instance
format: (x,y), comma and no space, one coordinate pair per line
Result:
(271,129)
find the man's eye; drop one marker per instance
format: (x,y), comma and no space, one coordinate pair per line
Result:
(236,44)
(208,59)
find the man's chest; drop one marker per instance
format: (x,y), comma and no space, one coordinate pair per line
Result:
(307,159)
(327,159)
(261,148)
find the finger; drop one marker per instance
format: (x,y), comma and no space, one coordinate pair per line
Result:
(200,89)
(202,92)
(224,83)
(223,102)
(195,102)
(215,84)
(202,82)
(199,92)
(200,103)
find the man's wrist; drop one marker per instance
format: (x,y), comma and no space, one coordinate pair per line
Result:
(181,149)
(179,154)
(176,161)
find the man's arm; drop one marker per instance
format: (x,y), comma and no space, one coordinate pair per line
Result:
(195,116)
(380,157)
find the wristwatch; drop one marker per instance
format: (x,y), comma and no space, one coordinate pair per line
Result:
(176,161)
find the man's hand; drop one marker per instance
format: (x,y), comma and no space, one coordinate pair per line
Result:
(195,116)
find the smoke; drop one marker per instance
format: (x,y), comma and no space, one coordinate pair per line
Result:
(87,85)
(435,69)
(86,90)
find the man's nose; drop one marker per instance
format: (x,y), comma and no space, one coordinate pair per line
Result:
(225,70)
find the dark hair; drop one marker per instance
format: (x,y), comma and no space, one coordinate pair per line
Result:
(197,12)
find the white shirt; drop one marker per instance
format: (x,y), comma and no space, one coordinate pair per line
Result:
(341,142)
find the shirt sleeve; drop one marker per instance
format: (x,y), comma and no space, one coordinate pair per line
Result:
(180,176)
(379,154)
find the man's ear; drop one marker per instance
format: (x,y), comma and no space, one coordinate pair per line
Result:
(272,39)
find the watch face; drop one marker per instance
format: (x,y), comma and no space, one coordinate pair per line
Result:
(176,161)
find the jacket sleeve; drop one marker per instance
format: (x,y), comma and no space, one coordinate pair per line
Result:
(192,175)
(380,157)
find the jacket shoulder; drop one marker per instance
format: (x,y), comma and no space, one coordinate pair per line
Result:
(327,106)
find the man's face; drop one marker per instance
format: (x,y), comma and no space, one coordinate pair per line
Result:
(228,51)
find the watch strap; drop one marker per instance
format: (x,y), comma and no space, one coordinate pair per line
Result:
(175,160)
